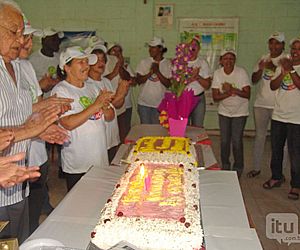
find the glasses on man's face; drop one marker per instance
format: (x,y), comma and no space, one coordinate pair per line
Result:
(16,33)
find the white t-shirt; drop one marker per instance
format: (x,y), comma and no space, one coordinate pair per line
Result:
(37,154)
(233,106)
(287,99)
(204,72)
(128,102)
(87,144)
(111,127)
(110,65)
(44,65)
(152,91)
(265,97)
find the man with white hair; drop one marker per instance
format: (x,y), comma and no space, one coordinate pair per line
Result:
(15,113)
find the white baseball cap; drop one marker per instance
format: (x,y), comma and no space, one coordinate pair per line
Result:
(278,36)
(111,45)
(96,43)
(75,52)
(296,39)
(28,29)
(50,32)
(227,50)
(100,46)
(156,41)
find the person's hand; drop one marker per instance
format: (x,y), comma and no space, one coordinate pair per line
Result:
(226,87)
(103,99)
(37,122)
(286,65)
(120,60)
(155,67)
(63,103)
(194,76)
(12,174)
(55,134)
(47,82)
(270,65)
(262,64)
(6,138)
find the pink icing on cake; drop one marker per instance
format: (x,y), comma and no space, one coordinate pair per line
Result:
(164,198)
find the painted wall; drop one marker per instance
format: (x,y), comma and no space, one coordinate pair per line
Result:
(131,22)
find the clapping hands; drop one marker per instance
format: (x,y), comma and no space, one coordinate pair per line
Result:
(6,138)
(11,173)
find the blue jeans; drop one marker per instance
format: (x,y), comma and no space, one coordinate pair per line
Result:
(281,131)
(197,116)
(231,129)
(148,115)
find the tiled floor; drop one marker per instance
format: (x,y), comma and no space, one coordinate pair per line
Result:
(258,201)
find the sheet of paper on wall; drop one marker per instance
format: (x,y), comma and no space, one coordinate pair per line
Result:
(3,225)
(9,244)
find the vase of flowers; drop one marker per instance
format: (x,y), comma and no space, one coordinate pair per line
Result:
(178,102)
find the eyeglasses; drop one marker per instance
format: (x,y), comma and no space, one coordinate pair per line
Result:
(16,33)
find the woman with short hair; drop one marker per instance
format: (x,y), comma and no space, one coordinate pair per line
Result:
(153,74)
(231,89)
(86,120)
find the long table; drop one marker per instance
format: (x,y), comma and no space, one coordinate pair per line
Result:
(224,217)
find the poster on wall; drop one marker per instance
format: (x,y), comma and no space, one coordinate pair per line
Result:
(76,38)
(216,34)
(164,14)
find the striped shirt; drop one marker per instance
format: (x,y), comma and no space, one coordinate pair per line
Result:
(15,107)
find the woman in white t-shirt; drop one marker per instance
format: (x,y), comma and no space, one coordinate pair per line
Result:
(199,82)
(96,78)
(285,124)
(86,120)
(153,74)
(231,89)
(123,71)
(265,98)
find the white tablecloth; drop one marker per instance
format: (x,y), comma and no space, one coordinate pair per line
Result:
(224,218)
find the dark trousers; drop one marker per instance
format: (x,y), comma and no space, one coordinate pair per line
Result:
(121,125)
(198,114)
(18,226)
(111,153)
(72,179)
(38,190)
(127,124)
(280,132)
(232,129)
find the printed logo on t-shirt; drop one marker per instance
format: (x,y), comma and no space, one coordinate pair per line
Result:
(154,78)
(85,102)
(287,83)
(52,72)
(268,74)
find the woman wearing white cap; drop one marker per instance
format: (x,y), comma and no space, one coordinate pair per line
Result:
(153,74)
(198,82)
(96,78)
(285,124)
(123,71)
(231,88)
(265,98)
(87,144)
